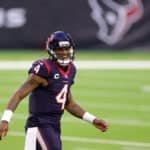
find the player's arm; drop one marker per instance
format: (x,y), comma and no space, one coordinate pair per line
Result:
(73,108)
(77,111)
(32,82)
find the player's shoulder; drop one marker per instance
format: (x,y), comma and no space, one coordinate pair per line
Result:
(73,66)
(40,61)
(40,66)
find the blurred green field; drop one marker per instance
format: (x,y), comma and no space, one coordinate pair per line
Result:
(122,97)
(80,55)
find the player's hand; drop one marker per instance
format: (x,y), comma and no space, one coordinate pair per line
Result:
(3,128)
(100,124)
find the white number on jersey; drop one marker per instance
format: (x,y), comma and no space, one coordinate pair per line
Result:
(37,68)
(61,97)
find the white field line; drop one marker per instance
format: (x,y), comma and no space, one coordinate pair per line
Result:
(86,64)
(116,121)
(92,140)
(113,121)
(146,88)
(106,106)
(118,107)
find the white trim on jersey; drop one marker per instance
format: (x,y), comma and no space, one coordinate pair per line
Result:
(30,142)
(41,140)
(32,135)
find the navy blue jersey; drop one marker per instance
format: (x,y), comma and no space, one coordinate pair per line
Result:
(50,101)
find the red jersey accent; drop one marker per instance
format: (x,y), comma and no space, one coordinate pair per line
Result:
(64,73)
(47,66)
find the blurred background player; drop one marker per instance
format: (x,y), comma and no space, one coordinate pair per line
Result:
(49,85)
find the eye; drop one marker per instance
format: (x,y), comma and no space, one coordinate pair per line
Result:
(65,48)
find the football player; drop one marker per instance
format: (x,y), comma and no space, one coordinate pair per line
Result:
(49,85)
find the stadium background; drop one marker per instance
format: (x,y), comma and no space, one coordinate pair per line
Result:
(121,95)
(97,24)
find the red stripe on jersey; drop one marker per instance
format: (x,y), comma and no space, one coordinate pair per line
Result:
(47,66)
(64,73)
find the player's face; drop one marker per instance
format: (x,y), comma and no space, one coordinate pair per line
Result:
(63,53)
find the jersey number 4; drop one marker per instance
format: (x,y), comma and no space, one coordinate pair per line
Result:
(62,96)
